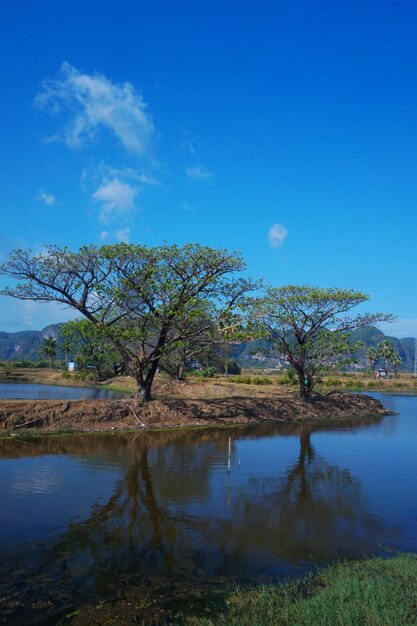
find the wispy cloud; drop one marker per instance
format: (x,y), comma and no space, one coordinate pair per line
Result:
(198,172)
(123,235)
(93,102)
(115,198)
(46,198)
(119,235)
(188,143)
(277,235)
(134,176)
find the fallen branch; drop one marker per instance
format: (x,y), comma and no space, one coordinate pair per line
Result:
(38,419)
(141,423)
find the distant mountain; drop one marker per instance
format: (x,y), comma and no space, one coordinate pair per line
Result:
(249,354)
(371,336)
(25,345)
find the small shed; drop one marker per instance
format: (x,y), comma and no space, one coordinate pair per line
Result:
(381,372)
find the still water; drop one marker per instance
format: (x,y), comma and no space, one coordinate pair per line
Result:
(86,517)
(26,391)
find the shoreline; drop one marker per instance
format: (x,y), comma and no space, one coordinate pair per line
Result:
(56,416)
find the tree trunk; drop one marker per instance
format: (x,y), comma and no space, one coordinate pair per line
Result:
(143,391)
(145,383)
(226,356)
(180,372)
(306,385)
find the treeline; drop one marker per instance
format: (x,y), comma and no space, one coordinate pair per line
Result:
(163,307)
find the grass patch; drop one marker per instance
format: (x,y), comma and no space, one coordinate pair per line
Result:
(376,592)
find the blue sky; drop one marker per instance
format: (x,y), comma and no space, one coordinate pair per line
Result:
(284,130)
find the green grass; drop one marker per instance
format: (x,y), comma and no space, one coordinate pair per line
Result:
(377,592)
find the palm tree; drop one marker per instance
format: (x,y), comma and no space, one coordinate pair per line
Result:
(66,347)
(372,356)
(386,350)
(395,361)
(48,349)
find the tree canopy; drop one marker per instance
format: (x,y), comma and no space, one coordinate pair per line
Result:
(310,327)
(147,301)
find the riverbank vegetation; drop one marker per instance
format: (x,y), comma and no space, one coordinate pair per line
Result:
(376,591)
(199,384)
(371,592)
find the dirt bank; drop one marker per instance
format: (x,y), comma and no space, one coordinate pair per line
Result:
(95,415)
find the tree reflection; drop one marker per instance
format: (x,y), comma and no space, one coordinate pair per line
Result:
(314,511)
(167,518)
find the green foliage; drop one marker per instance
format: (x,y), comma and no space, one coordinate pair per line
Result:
(374,592)
(48,349)
(147,302)
(40,364)
(310,327)
(251,380)
(23,363)
(372,356)
(331,381)
(91,349)
(242,380)
(208,372)
(261,380)
(233,367)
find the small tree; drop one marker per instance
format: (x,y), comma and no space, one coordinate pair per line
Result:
(310,327)
(90,348)
(48,349)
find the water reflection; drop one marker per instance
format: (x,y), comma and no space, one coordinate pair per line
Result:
(29,391)
(171,510)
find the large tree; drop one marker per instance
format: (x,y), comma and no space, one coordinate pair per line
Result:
(142,299)
(310,328)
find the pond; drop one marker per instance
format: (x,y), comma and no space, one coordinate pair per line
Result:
(27,391)
(87,517)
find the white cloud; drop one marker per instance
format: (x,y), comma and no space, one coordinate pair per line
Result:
(116,198)
(128,173)
(123,235)
(198,172)
(46,198)
(277,235)
(94,102)
(119,235)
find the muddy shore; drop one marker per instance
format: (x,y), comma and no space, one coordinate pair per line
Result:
(99,415)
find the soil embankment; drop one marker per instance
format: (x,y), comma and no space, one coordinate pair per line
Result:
(96,415)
